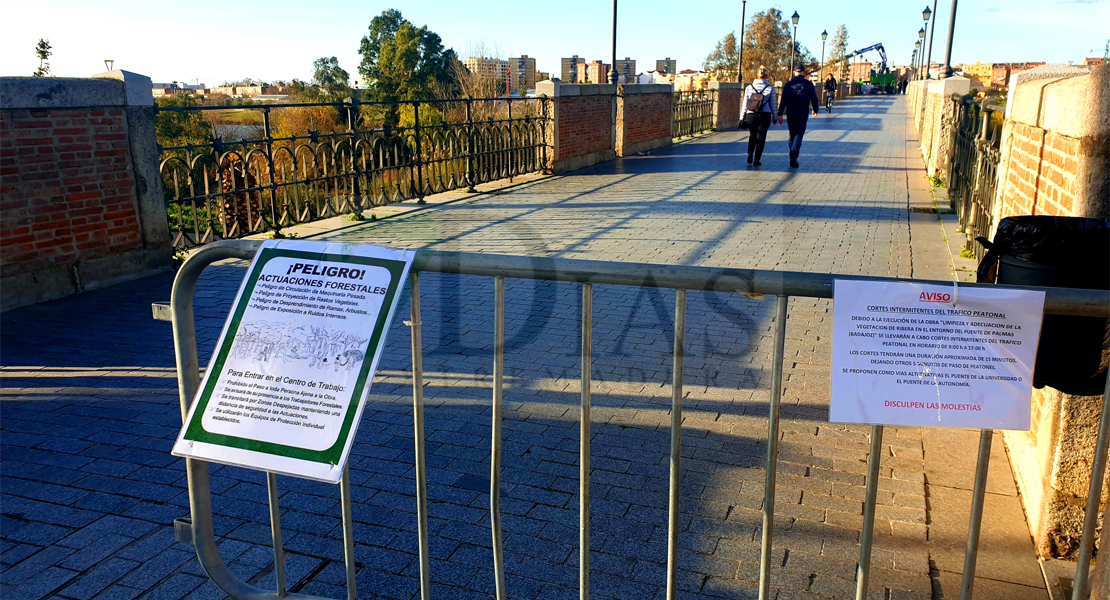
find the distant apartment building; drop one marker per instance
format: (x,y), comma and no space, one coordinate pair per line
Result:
(979,72)
(689,80)
(860,71)
(573,69)
(176,87)
(667,65)
(1093,61)
(237,91)
(655,77)
(1001,72)
(626,70)
(486,68)
(522,72)
(597,72)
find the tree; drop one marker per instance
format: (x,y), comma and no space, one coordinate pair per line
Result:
(333,82)
(178,128)
(767,42)
(837,49)
(402,62)
(43,50)
(722,61)
(481,83)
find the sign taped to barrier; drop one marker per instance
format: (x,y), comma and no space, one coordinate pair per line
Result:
(917,354)
(287,383)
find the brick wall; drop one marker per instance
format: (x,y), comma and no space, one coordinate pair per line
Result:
(585,125)
(643,118)
(581,130)
(1054,160)
(81,202)
(1042,168)
(727,107)
(68,194)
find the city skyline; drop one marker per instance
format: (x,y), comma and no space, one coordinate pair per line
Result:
(133,34)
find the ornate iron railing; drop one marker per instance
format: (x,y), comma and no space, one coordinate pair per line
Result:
(692,112)
(976,135)
(304,162)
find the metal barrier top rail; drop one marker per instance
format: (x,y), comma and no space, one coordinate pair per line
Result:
(200,531)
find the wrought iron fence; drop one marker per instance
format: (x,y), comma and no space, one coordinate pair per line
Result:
(692,112)
(302,162)
(977,135)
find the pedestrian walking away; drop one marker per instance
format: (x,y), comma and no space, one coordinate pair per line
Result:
(830,92)
(758,107)
(797,96)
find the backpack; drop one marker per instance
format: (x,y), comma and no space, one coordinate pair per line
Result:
(755,101)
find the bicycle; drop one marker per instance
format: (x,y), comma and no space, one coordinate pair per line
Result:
(829,101)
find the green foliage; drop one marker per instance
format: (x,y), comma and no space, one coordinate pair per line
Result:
(356,216)
(43,51)
(935,181)
(331,81)
(403,62)
(180,128)
(965,253)
(767,41)
(724,58)
(429,116)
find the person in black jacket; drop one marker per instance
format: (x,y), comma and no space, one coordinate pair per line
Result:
(797,95)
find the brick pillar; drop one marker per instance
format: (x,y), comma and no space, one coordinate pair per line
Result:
(81,203)
(581,131)
(1054,160)
(726,110)
(643,117)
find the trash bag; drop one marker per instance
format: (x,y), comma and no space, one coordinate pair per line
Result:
(1068,252)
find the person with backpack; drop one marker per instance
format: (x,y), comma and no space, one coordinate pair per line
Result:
(759,102)
(797,95)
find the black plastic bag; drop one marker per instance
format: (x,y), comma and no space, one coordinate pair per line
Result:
(1068,252)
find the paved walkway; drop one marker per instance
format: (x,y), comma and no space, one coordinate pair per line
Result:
(90,407)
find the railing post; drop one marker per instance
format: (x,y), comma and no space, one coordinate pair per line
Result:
(419,154)
(356,189)
(270,167)
(469,146)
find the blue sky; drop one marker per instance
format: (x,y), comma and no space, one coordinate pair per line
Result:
(279,39)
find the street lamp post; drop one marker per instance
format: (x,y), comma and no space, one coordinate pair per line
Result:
(947,70)
(921,41)
(740,61)
(794,43)
(932,31)
(613,64)
(913,66)
(824,35)
(920,53)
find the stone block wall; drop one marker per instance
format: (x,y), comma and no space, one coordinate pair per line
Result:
(933,115)
(80,201)
(726,112)
(643,118)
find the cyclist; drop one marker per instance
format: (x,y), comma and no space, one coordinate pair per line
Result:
(830,92)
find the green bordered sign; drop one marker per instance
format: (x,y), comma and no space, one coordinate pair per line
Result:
(286,386)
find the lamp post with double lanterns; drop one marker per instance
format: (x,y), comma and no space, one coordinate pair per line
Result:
(924,73)
(824,36)
(946,71)
(793,43)
(917,49)
(925,14)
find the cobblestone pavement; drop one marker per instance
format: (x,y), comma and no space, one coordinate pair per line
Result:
(90,406)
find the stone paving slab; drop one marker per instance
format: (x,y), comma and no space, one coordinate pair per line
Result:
(90,408)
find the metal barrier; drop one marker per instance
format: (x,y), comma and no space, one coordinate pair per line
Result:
(976,137)
(199,531)
(692,112)
(304,162)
